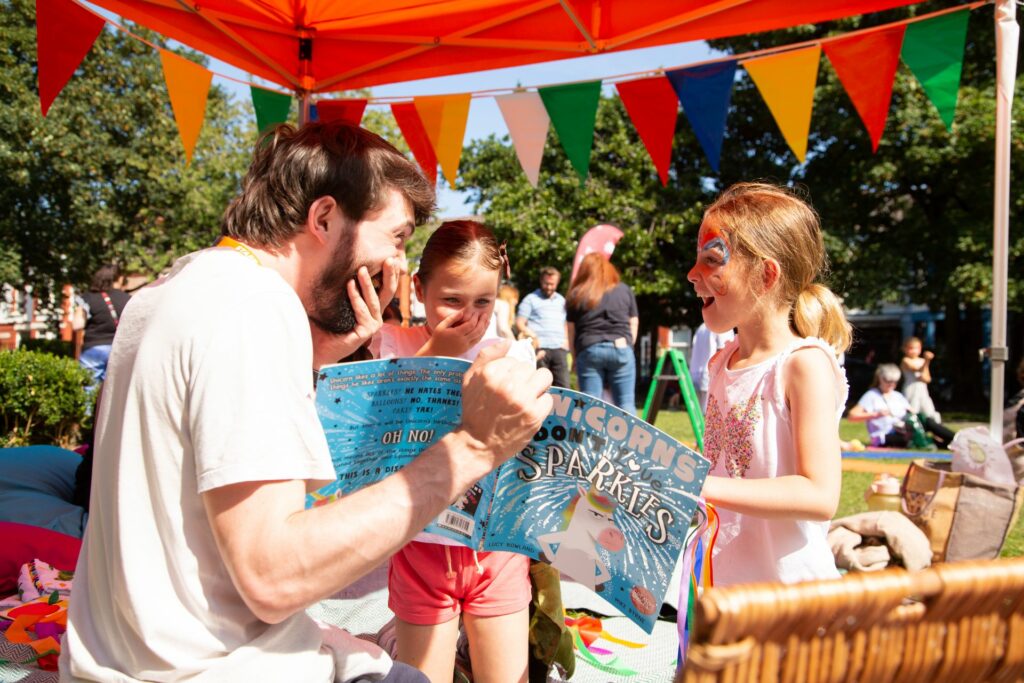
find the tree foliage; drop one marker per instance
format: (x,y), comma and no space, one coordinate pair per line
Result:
(103,176)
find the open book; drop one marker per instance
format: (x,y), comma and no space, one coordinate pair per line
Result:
(600,494)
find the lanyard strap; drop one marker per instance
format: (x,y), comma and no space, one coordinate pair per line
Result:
(110,307)
(245,251)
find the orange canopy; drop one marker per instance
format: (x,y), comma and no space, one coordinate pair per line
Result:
(325,45)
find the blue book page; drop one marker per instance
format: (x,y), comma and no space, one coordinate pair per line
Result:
(604,497)
(379,415)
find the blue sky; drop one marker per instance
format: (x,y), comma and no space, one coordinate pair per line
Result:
(484,115)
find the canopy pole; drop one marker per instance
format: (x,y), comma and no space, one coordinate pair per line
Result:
(305,74)
(304,105)
(1007,35)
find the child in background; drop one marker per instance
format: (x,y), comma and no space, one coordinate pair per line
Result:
(916,378)
(433,578)
(776,391)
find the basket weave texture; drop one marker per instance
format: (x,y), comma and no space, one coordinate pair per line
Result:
(956,622)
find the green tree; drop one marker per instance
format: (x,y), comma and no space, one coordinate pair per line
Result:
(103,176)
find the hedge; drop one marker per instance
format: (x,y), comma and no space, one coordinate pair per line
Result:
(43,398)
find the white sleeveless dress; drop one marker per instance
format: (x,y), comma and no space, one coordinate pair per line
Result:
(749,435)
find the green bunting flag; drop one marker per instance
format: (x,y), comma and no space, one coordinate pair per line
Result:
(934,51)
(572,109)
(271,107)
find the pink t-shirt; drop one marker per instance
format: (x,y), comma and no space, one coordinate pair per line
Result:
(749,435)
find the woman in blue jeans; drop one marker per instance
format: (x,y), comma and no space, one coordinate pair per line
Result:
(603,321)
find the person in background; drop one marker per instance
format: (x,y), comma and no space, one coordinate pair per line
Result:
(541,316)
(1013,413)
(98,313)
(705,345)
(917,375)
(776,390)
(885,409)
(505,311)
(603,324)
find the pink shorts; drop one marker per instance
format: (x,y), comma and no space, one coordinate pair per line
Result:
(429,583)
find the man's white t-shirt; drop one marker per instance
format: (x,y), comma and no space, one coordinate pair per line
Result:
(209,384)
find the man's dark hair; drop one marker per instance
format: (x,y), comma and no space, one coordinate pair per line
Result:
(292,168)
(103,278)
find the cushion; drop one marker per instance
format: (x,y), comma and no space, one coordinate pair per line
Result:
(24,543)
(37,484)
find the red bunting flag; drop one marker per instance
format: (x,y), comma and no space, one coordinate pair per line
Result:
(65,31)
(346,111)
(866,65)
(652,105)
(416,137)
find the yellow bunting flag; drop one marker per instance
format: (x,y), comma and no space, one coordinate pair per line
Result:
(188,84)
(786,82)
(444,118)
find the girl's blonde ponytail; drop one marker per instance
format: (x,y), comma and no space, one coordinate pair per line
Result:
(818,313)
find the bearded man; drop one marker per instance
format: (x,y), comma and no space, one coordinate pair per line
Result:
(199,558)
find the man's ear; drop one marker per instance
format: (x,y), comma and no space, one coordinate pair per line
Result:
(771,272)
(320,218)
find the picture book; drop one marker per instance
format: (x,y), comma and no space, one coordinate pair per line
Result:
(600,494)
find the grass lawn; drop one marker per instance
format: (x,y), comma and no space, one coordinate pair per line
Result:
(851,500)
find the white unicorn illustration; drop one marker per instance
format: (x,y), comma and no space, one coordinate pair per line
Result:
(590,524)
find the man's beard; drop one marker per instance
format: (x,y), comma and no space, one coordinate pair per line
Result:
(331,308)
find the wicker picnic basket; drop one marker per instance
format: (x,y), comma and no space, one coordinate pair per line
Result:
(955,622)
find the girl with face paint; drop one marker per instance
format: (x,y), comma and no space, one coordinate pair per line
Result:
(776,391)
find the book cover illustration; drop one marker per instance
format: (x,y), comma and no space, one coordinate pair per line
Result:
(600,494)
(378,415)
(604,497)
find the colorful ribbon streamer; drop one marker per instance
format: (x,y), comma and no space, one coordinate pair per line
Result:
(585,630)
(697,573)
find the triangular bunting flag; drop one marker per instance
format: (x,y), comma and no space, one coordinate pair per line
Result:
(786,83)
(65,31)
(572,109)
(934,51)
(866,65)
(651,104)
(271,107)
(416,137)
(346,111)
(705,92)
(444,118)
(188,85)
(528,123)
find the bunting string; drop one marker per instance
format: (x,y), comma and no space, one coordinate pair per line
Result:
(865,60)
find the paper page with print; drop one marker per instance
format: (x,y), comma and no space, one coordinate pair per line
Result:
(379,415)
(604,497)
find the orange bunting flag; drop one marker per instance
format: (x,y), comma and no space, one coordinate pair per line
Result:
(65,32)
(652,105)
(528,124)
(786,83)
(866,65)
(444,119)
(188,84)
(416,137)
